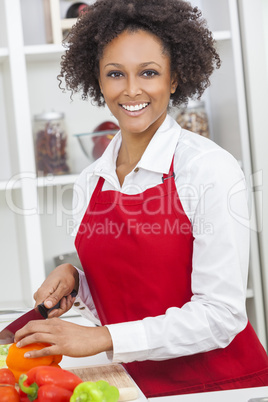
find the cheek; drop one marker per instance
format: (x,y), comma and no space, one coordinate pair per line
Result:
(112,90)
(160,93)
(159,88)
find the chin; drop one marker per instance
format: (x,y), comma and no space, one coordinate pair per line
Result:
(135,127)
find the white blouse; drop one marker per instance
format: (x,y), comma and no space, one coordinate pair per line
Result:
(212,190)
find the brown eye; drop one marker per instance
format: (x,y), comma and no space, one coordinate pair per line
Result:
(150,73)
(115,74)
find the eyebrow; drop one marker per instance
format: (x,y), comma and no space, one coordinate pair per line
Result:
(141,65)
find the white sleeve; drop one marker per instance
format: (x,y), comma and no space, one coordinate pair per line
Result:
(216,312)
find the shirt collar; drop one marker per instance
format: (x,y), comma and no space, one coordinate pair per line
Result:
(157,156)
(159,153)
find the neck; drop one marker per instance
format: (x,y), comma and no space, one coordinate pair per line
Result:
(134,144)
(132,149)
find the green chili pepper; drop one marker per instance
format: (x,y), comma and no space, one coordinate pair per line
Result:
(100,391)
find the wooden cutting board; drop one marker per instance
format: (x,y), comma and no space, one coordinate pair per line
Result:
(114,374)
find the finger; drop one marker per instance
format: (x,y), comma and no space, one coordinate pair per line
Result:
(45,295)
(65,305)
(67,302)
(35,338)
(46,290)
(51,295)
(55,313)
(23,332)
(32,327)
(51,350)
(53,299)
(59,311)
(58,295)
(70,301)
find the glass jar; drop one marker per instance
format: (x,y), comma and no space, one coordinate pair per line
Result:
(194,118)
(50,144)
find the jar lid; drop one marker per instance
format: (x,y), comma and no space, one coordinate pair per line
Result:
(49,116)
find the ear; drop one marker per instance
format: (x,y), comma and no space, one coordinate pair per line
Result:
(100,86)
(174,84)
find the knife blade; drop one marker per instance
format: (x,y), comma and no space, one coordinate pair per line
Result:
(38,313)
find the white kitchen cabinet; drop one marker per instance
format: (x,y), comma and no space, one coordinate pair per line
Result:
(36,212)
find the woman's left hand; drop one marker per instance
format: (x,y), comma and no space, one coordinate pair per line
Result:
(65,338)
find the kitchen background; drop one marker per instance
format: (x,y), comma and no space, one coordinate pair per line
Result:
(35,208)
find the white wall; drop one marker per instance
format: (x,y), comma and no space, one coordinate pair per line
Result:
(265,28)
(254,17)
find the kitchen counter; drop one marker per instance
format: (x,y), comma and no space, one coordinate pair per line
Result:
(239,395)
(101,358)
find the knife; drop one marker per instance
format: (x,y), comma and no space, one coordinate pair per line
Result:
(40,312)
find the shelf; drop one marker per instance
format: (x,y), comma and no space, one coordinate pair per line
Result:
(50,52)
(43,52)
(41,182)
(67,23)
(9,185)
(15,305)
(222,35)
(3,54)
(250,293)
(56,180)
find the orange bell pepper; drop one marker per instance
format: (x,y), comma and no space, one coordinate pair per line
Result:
(19,364)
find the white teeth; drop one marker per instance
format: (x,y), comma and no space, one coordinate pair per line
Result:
(136,107)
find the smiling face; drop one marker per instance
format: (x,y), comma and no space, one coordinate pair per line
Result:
(136,81)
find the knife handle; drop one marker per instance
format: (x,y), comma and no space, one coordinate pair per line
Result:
(44,311)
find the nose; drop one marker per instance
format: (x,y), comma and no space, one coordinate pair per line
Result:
(132,88)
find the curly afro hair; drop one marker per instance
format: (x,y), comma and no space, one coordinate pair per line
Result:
(180,27)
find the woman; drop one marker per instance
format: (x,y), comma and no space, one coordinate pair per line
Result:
(165,261)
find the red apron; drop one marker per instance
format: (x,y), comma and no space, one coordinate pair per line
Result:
(136,252)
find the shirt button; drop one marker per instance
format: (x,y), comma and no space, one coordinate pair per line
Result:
(76,304)
(81,308)
(136,169)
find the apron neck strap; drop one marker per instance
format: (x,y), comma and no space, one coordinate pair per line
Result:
(171,172)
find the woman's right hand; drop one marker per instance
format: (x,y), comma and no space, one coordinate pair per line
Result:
(58,286)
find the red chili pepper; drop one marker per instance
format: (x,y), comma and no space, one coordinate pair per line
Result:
(45,384)
(7,377)
(8,393)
